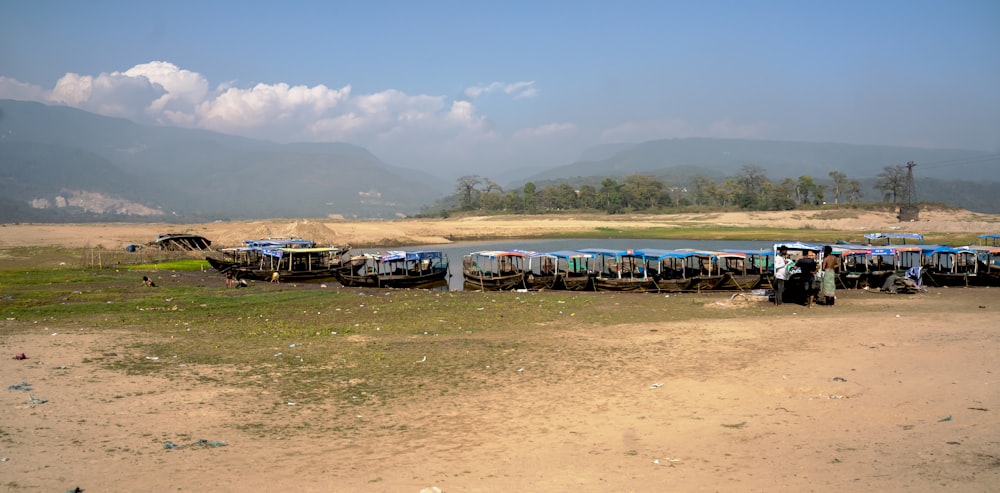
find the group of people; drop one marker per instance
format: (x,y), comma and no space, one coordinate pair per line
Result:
(809,270)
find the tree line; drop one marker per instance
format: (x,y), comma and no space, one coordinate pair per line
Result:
(750,189)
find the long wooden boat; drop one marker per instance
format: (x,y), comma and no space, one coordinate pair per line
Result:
(620,270)
(573,270)
(395,269)
(539,270)
(948,266)
(493,270)
(748,271)
(280,259)
(988,258)
(672,270)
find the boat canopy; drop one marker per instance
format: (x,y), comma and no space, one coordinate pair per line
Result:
(656,254)
(414,255)
(567,254)
(496,254)
(919,238)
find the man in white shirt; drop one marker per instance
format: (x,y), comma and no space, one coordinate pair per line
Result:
(780,264)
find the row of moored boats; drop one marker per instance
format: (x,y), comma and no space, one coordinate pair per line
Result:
(599,269)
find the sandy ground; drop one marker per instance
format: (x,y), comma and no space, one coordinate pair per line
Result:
(428,231)
(873,398)
(878,393)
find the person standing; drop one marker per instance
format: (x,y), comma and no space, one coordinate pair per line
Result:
(828,285)
(780,273)
(807,266)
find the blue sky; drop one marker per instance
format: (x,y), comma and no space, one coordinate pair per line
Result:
(459,87)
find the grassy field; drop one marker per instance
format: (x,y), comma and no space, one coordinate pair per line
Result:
(306,342)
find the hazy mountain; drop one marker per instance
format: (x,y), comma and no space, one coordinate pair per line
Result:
(780,159)
(956,177)
(59,163)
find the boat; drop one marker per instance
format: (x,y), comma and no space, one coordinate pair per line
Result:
(988,270)
(283,259)
(620,270)
(745,269)
(395,269)
(539,270)
(672,270)
(494,270)
(885,239)
(705,274)
(950,266)
(573,270)
(864,266)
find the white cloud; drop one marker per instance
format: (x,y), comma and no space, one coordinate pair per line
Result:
(14,89)
(407,129)
(518,89)
(545,131)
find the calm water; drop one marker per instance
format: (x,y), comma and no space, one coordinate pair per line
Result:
(456,251)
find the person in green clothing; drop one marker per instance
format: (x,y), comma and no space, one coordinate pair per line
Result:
(828,286)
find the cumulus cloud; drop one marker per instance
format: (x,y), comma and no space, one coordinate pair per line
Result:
(518,90)
(14,89)
(408,129)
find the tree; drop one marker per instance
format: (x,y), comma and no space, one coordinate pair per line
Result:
(587,197)
(530,198)
(642,192)
(804,189)
(701,190)
(753,181)
(467,192)
(891,182)
(611,196)
(853,191)
(839,182)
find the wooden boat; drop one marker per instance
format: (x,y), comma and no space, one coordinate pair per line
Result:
(492,270)
(947,266)
(291,258)
(539,270)
(620,270)
(745,272)
(573,270)
(705,274)
(988,269)
(672,270)
(395,269)
(887,239)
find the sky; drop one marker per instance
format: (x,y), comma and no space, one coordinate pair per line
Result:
(485,87)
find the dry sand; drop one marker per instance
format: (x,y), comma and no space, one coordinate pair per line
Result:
(878,393)
(431,231)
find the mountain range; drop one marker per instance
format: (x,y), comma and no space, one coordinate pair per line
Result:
(59,164)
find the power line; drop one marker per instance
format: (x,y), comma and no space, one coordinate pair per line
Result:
(961,162)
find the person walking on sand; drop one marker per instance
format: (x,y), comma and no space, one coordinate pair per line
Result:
(807,266)
(828,286)
(780,273)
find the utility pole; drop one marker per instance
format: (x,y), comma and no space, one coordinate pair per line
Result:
(909,211)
